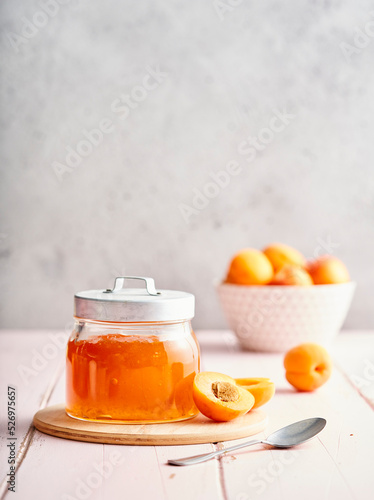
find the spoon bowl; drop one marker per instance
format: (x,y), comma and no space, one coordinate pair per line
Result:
(288,436)
(296,433)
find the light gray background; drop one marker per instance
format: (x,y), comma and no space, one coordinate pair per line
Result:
(118,211)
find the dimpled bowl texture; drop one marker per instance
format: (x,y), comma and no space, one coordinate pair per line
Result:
(277,318)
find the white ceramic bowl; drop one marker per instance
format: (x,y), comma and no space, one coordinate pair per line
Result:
(277,318)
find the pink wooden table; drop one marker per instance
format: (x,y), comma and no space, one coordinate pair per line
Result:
(338,464)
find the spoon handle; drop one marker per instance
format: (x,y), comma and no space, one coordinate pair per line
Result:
(196,459)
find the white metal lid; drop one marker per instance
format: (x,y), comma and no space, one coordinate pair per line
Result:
(133,305)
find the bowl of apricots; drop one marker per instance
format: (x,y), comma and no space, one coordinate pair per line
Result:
(275,299)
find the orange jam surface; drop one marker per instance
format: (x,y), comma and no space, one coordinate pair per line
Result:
(131,378)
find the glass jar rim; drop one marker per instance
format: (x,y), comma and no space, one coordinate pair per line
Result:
(128,323)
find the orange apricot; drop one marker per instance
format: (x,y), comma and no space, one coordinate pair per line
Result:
(328,270)
(292,275)
(250,267)
(308,366)
(280,255)
(262,389)
(218,397)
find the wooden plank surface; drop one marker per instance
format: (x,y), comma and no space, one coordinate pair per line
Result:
(354,356)
(30,362)
(336,465)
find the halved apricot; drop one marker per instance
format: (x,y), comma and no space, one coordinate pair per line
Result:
(218,397)
(262,389)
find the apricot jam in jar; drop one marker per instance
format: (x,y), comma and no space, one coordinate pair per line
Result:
(132,356)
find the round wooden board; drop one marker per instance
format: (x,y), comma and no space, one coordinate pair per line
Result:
(54,421)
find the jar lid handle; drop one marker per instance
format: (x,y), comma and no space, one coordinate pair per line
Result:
(119,282)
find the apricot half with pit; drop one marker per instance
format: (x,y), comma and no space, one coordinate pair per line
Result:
(308,366)
(262,389)
(218,397)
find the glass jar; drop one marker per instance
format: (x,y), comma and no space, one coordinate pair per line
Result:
(132,355)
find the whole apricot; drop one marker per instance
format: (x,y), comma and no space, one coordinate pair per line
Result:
(262,389)
(292,275)
(328,270)
(218,397)
(308,366)
(250,267)
(280,255)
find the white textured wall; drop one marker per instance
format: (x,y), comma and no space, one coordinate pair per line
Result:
(223,76)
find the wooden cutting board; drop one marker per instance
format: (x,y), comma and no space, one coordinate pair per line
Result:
(54,421)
